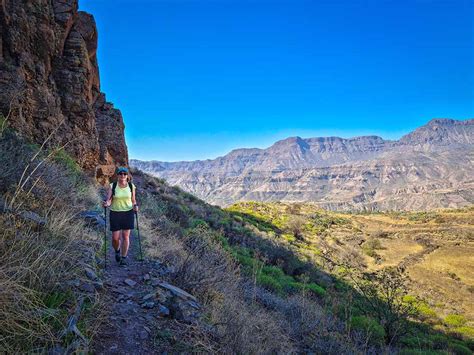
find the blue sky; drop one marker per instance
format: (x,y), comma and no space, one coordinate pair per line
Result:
(195,79)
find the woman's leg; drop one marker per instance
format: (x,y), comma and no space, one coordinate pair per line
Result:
(125,241)
(116,240)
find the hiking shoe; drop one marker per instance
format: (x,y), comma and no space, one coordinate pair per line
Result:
(123,261)
(117,256)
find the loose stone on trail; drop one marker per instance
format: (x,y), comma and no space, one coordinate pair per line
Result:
(148,296)
(130,282)
(148,305)
(177,291)
(163,311)
(143,335)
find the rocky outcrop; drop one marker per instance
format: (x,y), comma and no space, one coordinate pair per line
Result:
(431,167)
(441,132)
(50,86)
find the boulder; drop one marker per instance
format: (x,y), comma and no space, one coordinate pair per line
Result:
(184,311)
(176,291)
(93,218)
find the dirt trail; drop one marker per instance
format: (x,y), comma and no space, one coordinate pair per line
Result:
(130,322)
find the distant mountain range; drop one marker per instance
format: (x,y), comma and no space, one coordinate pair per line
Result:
(431,167)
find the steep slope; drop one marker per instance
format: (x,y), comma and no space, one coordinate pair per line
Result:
(433,248)
(428,168)
(49,82)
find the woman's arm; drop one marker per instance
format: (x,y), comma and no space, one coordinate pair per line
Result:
(108,200)
(134,200)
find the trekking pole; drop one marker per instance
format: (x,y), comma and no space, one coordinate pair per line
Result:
(105,238)
(139,240)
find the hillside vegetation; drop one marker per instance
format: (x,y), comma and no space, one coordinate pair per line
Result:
(433,249)
(292,269)
(270,277)
(44,249)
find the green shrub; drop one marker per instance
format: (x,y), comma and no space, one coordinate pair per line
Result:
(425,340)
(421,352)
(426,310)
(439,341)
(270,283)
(373,243)
(422,216)
(244,257)
(455,320)
(63,158)
(177,214)
(459,349)
(368,325)
(56,299)
(224,242)
(410,299)
(195,222)
(412,341)
(3,124)
(465,331)
(469,343)
(422,308)
(152,205)
(369,252)
(316,289)
(273,271)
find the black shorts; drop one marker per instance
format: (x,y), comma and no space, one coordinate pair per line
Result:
(122,220)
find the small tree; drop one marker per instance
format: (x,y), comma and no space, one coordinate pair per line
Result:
(295,226)
(383,295)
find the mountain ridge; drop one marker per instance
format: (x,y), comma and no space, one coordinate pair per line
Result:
(372,171)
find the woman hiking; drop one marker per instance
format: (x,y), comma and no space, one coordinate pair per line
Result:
(123,205)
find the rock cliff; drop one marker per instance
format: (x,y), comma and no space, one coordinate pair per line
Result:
(50,85)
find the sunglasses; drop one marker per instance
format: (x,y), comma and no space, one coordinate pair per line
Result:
(122,173)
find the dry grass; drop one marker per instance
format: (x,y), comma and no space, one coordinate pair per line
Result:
(203,268)
(240,317)
(447,276)
(438,247)
(42,245)
(33,265)
(453,259)
(247,329)
(21,320)
(393,251)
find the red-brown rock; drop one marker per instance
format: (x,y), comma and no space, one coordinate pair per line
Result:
(49,82)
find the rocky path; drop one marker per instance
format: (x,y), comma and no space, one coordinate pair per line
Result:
(138,304)
(129,321)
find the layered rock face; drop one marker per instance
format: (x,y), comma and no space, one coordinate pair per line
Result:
(431,167)
(50,86)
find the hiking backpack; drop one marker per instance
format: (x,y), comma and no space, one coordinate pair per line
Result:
(114,185)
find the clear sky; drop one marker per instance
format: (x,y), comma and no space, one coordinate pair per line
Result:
(195,79)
